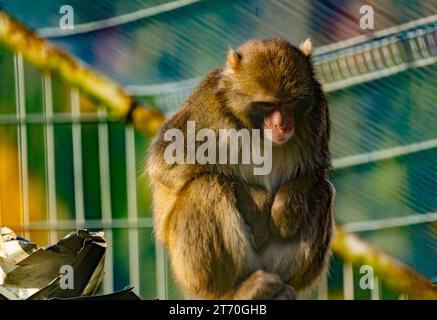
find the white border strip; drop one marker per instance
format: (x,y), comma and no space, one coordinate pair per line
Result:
(168,87)
(161,272)
(134,263)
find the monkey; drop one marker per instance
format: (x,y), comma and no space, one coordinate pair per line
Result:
(231,234)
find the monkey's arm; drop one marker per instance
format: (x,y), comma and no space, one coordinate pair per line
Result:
(316,232)
(290,204)
(254,204)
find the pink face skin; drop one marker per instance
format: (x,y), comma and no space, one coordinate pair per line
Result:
(281,122)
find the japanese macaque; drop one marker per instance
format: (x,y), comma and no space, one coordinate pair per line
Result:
(232,234)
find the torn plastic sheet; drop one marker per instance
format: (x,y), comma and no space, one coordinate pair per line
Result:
(27,272)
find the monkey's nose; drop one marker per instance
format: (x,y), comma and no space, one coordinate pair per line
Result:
(278,128)
(278,121)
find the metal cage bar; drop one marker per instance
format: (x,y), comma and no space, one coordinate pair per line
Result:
(339,67)
(50,155)
(105,197)
(77,160)
(348,281)
(161,272)
(134,264)
(22,140)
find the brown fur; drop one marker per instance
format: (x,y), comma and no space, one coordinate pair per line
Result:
(231,234)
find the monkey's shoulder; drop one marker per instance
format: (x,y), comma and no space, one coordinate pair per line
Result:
(201,107)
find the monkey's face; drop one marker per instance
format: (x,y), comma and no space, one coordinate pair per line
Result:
(278,117)
(270,84)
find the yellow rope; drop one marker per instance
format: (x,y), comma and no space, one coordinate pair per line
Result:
(397,275)
(47,57)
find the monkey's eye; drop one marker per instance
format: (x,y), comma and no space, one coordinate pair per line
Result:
(266,106)
(288,105)
(291,103)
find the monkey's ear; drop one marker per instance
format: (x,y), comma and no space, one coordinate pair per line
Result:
(233,60)
(306,47)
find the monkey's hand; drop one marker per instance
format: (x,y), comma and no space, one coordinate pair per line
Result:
(287,293)
(254,203)
(289,206)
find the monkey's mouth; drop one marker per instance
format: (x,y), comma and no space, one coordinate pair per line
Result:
(281,124)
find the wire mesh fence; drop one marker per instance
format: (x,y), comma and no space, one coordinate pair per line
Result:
(341,64)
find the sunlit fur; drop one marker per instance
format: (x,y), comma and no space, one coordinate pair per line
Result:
(233,235)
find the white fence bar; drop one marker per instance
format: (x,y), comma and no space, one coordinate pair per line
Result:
(134,264)
(77,160)
(50,155)
(375,293)
(57,118)
(105,198)
(348,281)
(161,272)
(322,290)
(383,154)
(20,102)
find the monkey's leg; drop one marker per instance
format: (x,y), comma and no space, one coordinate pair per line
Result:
(209,245)
(262,285)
